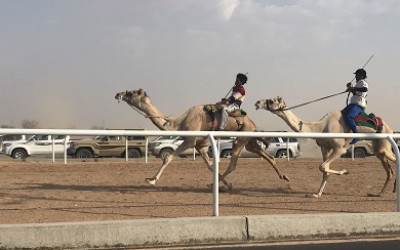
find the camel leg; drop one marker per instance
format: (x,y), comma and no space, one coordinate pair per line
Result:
(383,151)
(325,153)
(389,173)
(324,168)
(185,145)
(254,147)
(238,146)
(203,151)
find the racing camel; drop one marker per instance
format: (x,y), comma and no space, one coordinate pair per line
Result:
(333,148)
(197,118)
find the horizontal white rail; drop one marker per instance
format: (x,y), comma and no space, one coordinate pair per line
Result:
(211,134)
(193,133)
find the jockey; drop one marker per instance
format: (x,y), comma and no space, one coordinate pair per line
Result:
(358,101)
(234,101)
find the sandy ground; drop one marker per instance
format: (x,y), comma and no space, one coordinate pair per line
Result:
(39,191)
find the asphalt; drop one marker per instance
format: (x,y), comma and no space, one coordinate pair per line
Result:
(199,230)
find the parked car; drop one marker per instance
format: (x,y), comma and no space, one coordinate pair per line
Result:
(362,149)
(37,145)
(6,140)
(108,146)
(164,145)
(276,147)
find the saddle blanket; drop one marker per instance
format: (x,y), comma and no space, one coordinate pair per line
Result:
(215,108)
(369,120)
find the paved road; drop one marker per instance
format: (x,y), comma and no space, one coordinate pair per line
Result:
(370,244)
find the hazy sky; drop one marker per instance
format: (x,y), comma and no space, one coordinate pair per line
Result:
(62,62)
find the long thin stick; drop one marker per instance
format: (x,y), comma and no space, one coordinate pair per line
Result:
(316,100)
(329,96)
(348,95)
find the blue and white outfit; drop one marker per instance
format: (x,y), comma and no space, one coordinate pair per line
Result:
(358,103)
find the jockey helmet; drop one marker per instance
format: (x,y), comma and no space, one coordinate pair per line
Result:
(242,78)
(361,72)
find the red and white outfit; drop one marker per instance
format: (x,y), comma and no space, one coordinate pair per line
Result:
(234,102)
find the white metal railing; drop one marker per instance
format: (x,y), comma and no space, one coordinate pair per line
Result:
(211,135)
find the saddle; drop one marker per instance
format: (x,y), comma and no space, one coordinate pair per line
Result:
(213,109)
(369,120)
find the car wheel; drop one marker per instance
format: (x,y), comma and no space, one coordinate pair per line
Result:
(84,153)
(165,152)
(282,154)
(134,153)
(19,154)
(226,153)
(360,153)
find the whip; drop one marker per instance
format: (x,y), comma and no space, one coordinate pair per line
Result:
(329,96)
(348,95)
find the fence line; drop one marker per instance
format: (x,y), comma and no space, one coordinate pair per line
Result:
(211,135)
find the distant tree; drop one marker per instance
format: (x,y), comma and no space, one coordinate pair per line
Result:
(6,126)
(29,123)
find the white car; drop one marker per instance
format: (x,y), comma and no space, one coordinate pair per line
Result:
(278,147)
(37,145)
(6,140)
(164,145)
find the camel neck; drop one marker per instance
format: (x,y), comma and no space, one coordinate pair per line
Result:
(158,118)
(298,125)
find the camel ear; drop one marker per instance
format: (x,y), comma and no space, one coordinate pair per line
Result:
(140,91)
(279,99)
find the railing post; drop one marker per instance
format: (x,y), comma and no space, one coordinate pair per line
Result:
(216,175)
(66,141)
(52,149)
(396,152)
(126,149)
(287,149)
(146,150)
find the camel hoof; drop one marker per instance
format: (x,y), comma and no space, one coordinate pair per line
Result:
(221,189)
(373,195)
(151,181)
(312,196)
(345,171)
(285,178)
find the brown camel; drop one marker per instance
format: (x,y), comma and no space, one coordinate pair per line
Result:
(332,148)
(196,119)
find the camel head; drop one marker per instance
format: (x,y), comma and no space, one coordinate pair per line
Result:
(273,105)
(134,97)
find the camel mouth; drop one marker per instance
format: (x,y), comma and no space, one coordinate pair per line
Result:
(118,97)
(260,105)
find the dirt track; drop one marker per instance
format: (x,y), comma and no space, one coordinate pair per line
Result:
(42,191)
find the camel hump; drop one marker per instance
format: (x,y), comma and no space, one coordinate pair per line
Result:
(369,120)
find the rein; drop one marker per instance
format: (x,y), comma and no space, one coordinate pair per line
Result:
(143,114)
(316,100)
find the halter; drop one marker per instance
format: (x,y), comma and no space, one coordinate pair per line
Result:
(276,110)
(141,112)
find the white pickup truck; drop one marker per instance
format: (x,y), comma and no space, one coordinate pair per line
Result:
(37,145)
